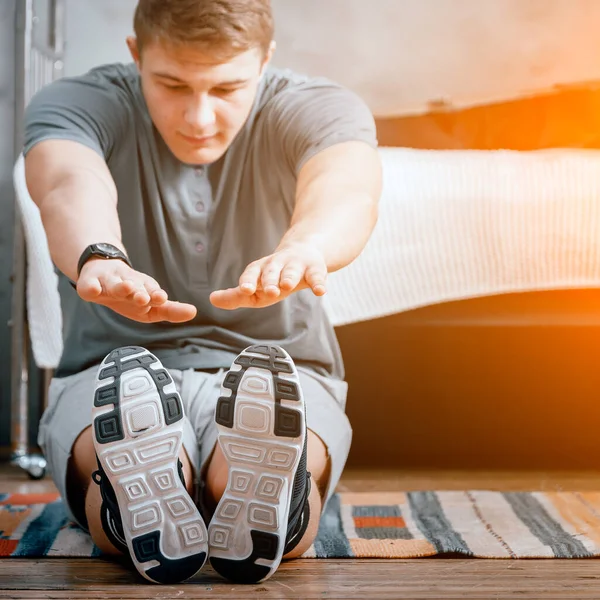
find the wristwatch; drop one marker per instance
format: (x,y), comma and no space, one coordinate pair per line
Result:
(102,251)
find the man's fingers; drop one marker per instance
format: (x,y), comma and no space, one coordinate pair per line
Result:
(316,278)
(234,298)
(89,289)
(142,292)
(248,282)
(130,293)
(152,287)
(269,279)
(230,299)
(174,312)
(146,292)
(140,297)
(158,297)
(129,290)
(291,275)
(115,287)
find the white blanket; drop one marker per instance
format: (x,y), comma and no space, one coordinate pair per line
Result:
(462,224)
(453,225)
(43,302)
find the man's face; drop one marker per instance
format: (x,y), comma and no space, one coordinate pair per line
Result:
(197,104)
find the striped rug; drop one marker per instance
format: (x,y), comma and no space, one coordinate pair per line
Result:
(379,525)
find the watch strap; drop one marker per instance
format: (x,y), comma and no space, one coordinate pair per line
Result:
(106,251)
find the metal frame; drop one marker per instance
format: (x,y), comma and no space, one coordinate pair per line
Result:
(36,65)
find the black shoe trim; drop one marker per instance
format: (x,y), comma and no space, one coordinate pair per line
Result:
(288,422)
(264,545)
(301,525)
(113,530)
(147,547)
(299,508)
(110,517)
(108,427)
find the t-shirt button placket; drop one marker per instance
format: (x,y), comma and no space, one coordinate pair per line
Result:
(201,267)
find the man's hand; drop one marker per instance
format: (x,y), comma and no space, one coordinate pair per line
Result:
(134,295)
(273,278)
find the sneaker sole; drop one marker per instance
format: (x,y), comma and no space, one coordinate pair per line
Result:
(138,431)
(261,426)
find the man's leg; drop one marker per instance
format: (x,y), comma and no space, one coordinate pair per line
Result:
(267,508)
(319,468)
(87,499)
(121,477)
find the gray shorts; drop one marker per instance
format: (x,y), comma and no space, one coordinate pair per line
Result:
(69,412)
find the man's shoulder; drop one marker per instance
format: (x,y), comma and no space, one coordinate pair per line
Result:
(94,108)
(283,77)
(279,80)
(113,77)
(284,92)
(299,115)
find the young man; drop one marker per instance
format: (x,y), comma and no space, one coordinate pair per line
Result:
(196,201)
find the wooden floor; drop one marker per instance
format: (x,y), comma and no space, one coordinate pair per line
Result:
(325,579)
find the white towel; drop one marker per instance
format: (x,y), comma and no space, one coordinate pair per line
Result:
(462,224)
(43,301)
(453,225)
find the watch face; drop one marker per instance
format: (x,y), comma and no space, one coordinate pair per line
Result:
(108,249)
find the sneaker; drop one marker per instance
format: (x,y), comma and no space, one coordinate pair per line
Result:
(261,424)
(138,430)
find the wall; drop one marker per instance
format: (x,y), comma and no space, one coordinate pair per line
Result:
(404,54)
(96,32)
(7,143)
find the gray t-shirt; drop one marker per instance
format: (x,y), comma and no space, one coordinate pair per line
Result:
(195,229)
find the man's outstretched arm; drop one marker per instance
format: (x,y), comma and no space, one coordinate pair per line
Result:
(77,198)
(336,210)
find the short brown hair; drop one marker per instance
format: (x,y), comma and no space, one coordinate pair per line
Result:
(226,27)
